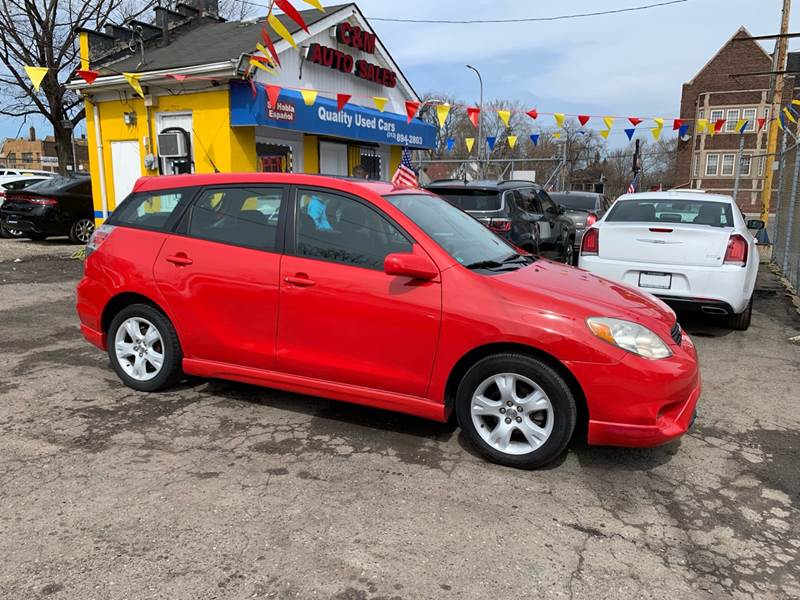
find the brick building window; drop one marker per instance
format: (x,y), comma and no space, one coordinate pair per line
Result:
(696,164)
(732,117)
(744,165)
(27,157)
(728,161)
(716,115)
(712,164)
(750,115)
(761,162)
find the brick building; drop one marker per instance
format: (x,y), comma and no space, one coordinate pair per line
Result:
(39,154)
(721,91)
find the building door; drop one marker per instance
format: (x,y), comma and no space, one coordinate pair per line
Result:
(126,167)
(332,158)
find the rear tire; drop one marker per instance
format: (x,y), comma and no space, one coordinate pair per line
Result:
(741,321)
(515,410)
(81,230)
(144,348)
(568,254)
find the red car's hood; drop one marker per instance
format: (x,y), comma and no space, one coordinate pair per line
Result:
(589,295)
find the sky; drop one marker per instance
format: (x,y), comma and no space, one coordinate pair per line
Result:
(630,64)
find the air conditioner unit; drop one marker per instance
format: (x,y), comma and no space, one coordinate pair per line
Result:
(172,144)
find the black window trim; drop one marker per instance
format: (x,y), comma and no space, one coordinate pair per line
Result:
(173,219)
(290,247)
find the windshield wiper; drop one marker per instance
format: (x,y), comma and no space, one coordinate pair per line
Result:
(484,264)
(512,259)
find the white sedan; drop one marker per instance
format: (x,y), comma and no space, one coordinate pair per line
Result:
(691,249)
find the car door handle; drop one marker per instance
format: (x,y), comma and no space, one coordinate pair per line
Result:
(298,281)
(180,259)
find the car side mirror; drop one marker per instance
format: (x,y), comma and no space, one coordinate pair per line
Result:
(405,264)
(756,224)
(561,209)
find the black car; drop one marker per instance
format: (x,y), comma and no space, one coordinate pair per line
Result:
(519,211)
(53,207)
(584,208)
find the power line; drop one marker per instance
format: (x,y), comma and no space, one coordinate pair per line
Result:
(527,19)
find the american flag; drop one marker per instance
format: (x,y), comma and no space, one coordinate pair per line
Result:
(405,176)
(634,184)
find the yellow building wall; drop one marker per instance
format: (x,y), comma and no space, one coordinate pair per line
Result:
(310,154)
(395,156)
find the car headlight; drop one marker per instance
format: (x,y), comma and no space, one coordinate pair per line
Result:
(629,336)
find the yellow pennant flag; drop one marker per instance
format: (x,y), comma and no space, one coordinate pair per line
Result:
(740,124)
(557,135)
(789,115)
(659,122)
(559,117)
(609,121)
(315,4)
(266,53)
(133,81)
(260,65)
(441,112)
(656,131)
(512,141)
(280,29)
(796,102)
(604,133)
(702,125)
(380,103)
(504,115)
(470,143)
(37,75)
(309,96)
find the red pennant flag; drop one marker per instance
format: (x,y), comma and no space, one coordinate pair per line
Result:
(634,121)
(177,77)
(342,100)
(718,125)
(532,113)
(87,75)
(291,11)
(273,93)
(252,86)
(473,112)
(676,124)
(583,119)
(268,43)
(761,123)
(411,109)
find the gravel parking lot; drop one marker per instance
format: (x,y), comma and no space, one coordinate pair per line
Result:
(221,490)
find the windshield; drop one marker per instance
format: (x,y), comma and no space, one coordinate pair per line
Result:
(460,235)
(481,200)
(57,184)
(698,212)
(574,201)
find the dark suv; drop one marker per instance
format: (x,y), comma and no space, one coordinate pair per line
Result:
(519,211)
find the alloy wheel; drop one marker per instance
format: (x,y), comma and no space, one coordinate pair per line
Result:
(84,229)
(512,413)
(139,348)
(568,253)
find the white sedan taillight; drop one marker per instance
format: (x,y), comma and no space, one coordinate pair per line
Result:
(736,253)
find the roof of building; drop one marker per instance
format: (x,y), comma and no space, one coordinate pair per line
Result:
(742,32)
(212,42)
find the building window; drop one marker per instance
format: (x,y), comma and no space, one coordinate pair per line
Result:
(716,115)
(761,166)
(750,115)
(701,113)
(744,165)
(730,123)
(696,164)
(712,163)
(11,156)
(27,157)
(727,163)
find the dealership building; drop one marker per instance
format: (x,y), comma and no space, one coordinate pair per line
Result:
(204,105)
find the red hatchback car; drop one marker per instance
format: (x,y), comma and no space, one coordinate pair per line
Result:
(356,291)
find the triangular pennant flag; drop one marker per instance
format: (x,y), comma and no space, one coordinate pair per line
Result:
(796,102)
(512,141)
(491,141)
(259,64)
(604,133)
(315,4)
(266,57)
(505,116)
(470,142)
(535,138)
(474,114)
(557,135)
(342,100)
(87,75)
(634,121)
(533,114)
(702,125)
(450,143)
(442,110)
(683,130)
(559,117)
(718,125)
(781,121)
(789,115)
(676,124)
(280,29)
(133,81)
(659,122)
(309,96)
(292,13)
(656,131)
(412,108)
(380,103)
(761,122)
(273,93)
(794,112)
(36,75)
(629,133)
(741,125)
(609,121)
(583,119)
(268,43)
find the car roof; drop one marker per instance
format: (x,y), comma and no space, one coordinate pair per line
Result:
(576,193)
(482,184)
(676,195)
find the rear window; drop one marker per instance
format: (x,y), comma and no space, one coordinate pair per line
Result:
(698,212)
(60,183)
(575,201)
(480,200)
(147,210)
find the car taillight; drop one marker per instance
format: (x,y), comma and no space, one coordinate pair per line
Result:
(590,245)
(736,254)
(591,219)
(501,225)
(100,235)
(43,201)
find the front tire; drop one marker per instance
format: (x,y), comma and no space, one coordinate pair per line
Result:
(741,321)
(144,348)
(516,410)
(569,252)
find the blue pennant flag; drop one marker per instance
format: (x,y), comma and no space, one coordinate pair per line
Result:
(629,133)
(683,130)
(450,143)
(491,141)
(535,138)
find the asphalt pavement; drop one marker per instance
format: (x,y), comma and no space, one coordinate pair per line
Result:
(218,490)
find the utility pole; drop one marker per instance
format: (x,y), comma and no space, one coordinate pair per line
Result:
(636,166)
(738,167)
(776,93)
(481,167)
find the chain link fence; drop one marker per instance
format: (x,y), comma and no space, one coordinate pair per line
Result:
(786,203)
